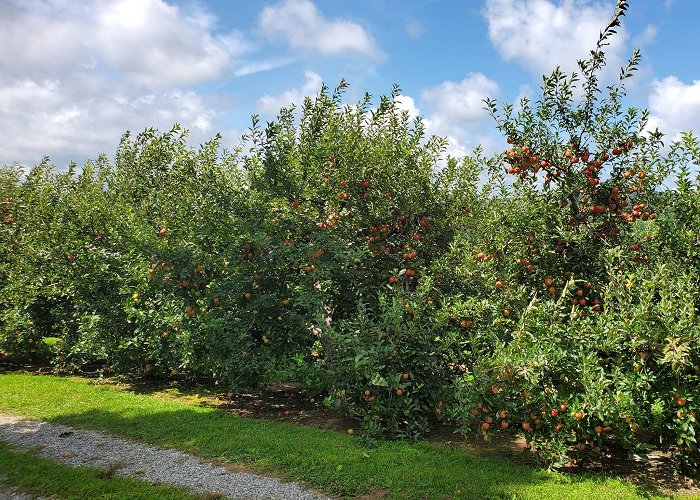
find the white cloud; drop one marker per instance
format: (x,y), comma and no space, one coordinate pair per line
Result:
(302,26)
(407,103)
(269,105)
(675,106)
(539,34)
(456,111)
(149,41)
(75,75)
(460,104)
(646,37)
(156,44)
(79,120)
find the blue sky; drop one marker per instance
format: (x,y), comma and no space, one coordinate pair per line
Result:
(76,74)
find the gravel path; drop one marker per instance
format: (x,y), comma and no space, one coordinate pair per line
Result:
(76,447)
(10,493)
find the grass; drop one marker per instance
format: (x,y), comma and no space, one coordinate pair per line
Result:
(40,476)
(335,463)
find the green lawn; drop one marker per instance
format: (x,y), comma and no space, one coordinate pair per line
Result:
(334,463)
(41,476)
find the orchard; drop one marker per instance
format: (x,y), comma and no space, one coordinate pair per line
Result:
(551,290)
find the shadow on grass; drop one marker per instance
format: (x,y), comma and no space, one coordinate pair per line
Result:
(339,464)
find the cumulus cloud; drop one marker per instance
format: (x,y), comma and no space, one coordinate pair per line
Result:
(460,105)
(455,110)
(675,106)
(68,122)
(300,24)
(269,105)
(75,75)
(148,41)
(541,34)
(155,44)
(408,103)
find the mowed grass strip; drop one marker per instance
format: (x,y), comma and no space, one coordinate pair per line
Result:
(37,475)
(333,462)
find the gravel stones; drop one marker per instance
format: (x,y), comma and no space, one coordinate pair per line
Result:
(76,447)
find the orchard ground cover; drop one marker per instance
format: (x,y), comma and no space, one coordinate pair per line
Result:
(335,463)
(551,291)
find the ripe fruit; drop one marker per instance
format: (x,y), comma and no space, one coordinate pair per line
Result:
(504,425)
(548,281)
(399,392)
(364,184)
(500,283)
(680,401)
(598,429)
(295,203)
(554,413)
(163,231)
(578,415)
(189,311)
(405,376)
(465,323)
(495,389)
(485,426)
(506,312)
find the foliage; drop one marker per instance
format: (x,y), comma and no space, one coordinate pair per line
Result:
(556,279)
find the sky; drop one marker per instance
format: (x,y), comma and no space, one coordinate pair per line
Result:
(76,74)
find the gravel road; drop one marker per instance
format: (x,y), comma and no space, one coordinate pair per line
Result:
(76,447)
